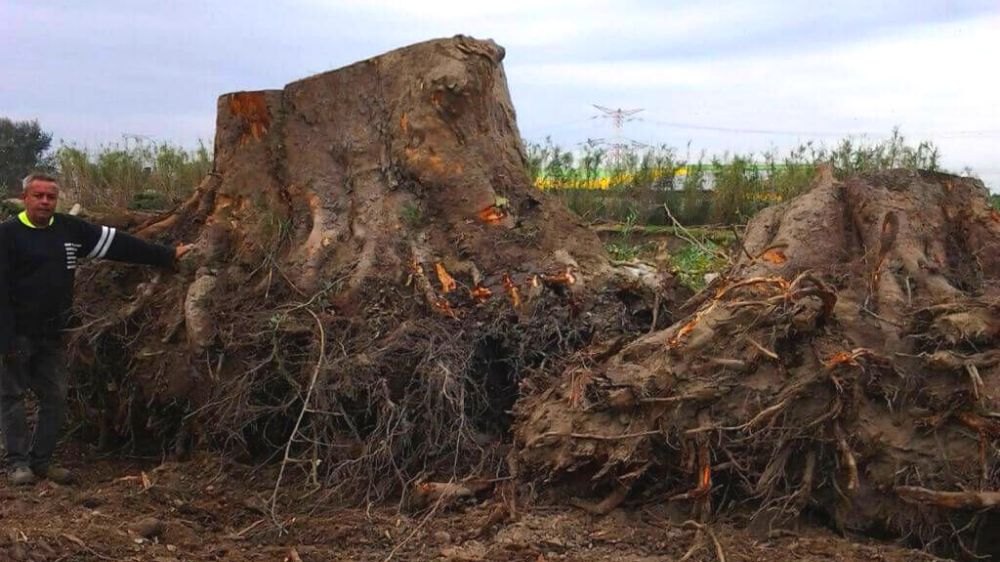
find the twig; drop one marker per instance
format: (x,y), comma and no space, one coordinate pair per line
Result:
(765,414)
(763,349)
(426,518)
(950,500)
(656,311)
(298,421)
(245,530)
(605,506)
(801,495)
(276,265)
(739,242)
(866,310)
(977,381)
(690,238)
(79,542)
(719,552)
(594,436)
(695,545)
(849,462)
(702,395)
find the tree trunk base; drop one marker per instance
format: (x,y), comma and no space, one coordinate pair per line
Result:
(374,276)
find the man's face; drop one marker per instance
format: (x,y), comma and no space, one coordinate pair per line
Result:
(40,201)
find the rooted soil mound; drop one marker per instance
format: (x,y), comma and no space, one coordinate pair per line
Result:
(374,275)
(846,366)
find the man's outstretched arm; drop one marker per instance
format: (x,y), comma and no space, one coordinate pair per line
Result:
(105,242)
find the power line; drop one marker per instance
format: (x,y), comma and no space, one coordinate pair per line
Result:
(679,125)
(618,116)
(548,129)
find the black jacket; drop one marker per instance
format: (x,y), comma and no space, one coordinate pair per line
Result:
(37,267)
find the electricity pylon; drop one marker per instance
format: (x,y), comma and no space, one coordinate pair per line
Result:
(618,119)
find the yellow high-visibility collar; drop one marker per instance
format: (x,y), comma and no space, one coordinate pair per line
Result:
(23,217)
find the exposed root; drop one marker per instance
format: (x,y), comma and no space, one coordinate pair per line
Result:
(287,458)
(700,531)
(826,390)
(605,506)
(948,500)
(851,481)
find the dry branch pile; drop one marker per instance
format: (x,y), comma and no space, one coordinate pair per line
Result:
(374,275)
(848,364)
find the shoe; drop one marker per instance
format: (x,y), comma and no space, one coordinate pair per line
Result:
(56,474)
(21,476)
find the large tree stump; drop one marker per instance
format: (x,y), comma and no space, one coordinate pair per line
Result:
(848,363)
(371,254)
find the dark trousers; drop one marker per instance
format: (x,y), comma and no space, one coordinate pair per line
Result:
(38,365)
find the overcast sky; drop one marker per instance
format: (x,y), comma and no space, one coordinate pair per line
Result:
(723,75)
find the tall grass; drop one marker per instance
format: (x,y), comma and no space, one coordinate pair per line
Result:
(132,174)
(739,190)
(635,183)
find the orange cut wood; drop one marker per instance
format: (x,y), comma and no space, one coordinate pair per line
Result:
(448,283)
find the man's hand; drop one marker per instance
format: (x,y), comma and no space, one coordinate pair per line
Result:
(181,250)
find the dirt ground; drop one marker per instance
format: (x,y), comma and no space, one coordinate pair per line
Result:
(208,509)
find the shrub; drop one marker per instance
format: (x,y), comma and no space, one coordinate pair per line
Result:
(601,185)
(128,175)
(22,148)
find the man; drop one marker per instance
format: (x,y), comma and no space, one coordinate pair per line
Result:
(39,252)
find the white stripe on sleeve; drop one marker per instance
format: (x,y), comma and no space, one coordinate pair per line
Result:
(97,247)
(107,244)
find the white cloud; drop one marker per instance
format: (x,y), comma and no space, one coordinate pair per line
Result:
(846,65)
(932,81)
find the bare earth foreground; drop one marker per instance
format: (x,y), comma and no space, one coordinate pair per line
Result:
(207,509)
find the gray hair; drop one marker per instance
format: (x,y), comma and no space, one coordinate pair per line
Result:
(36,176)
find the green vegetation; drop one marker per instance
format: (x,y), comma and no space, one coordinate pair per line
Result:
(621,247)
(137,174)
(22,148)
(411,215)
(727,189)
(692,263)
(739,190)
